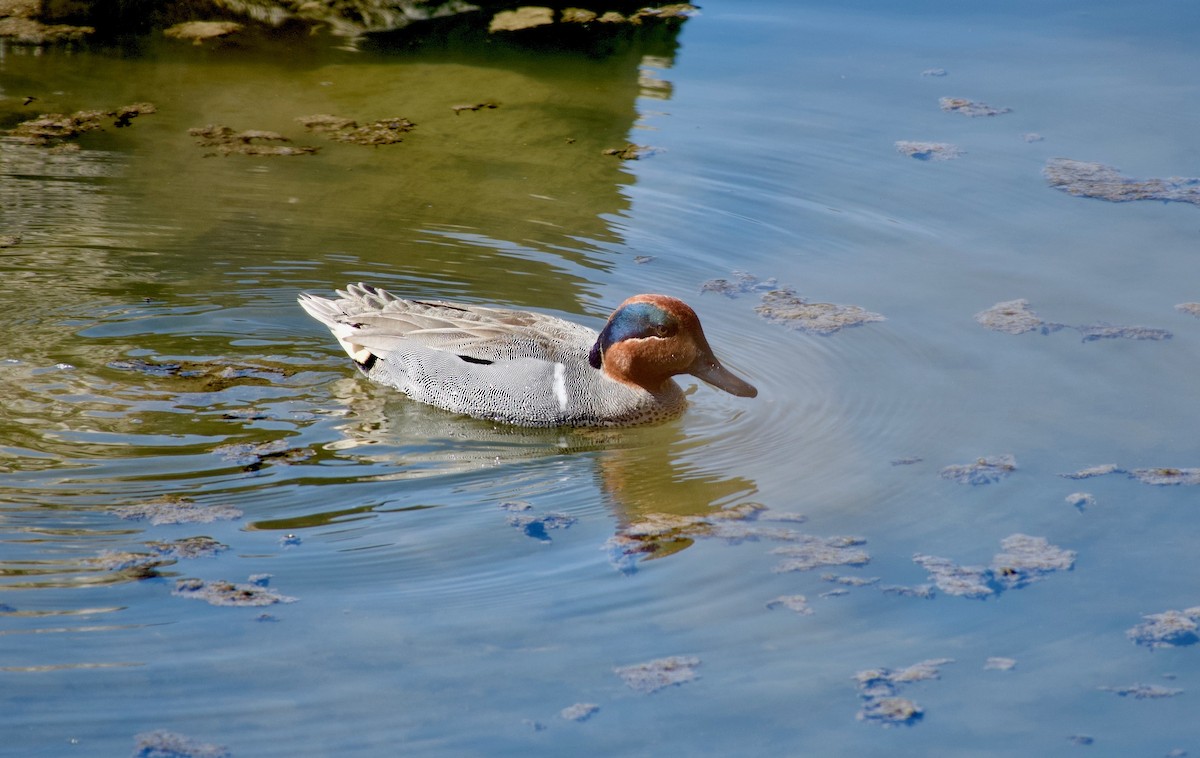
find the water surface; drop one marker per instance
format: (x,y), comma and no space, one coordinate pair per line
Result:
(151,324)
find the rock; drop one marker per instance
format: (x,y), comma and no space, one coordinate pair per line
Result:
(525,17)
(199,31)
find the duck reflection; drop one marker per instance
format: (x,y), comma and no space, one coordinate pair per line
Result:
(654,478)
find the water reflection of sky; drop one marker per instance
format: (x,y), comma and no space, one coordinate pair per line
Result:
(433,614)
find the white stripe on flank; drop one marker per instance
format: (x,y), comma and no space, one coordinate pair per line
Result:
(560,385)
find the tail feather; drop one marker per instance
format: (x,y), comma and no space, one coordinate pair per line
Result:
(328,313)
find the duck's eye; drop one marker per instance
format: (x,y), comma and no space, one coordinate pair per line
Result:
(662,330)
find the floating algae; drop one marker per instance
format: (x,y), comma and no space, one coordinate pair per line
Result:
(655,675)
(784,306)
(534,525)
(814,552)
(1158,477)
(488,105)
(1145,691)
(1014,317)
(1166,477)
(970,108)
(254,594)
(928,151)
(1096,180)
(195,376)
(741,283)
(1167,629)
(661,534)
(982,471)
(386,131)
(1092,332)
(172,509)
(953,579)
(1081,500)
(997,663)
(579,711)
(630,152)
(251,456)
(922,591)
(1091,471)
(133,565)
(1022,561)
(255,142)
(146,565)
(879,690)
(850,581)
(1192,308)
(54,128)
(188,547)
(164,744)
(797,603)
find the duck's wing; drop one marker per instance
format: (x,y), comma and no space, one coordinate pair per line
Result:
(370,319)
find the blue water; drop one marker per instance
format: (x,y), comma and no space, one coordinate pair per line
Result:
(426,620)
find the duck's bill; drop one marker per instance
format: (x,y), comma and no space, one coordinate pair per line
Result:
(711,371)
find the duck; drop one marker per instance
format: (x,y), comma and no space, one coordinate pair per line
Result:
(525,368)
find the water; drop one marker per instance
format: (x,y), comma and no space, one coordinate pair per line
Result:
(424,621)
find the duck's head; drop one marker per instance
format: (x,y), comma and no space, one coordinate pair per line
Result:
(651,338)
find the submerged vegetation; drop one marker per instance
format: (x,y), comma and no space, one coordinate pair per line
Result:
(1016,317)
(781,305)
